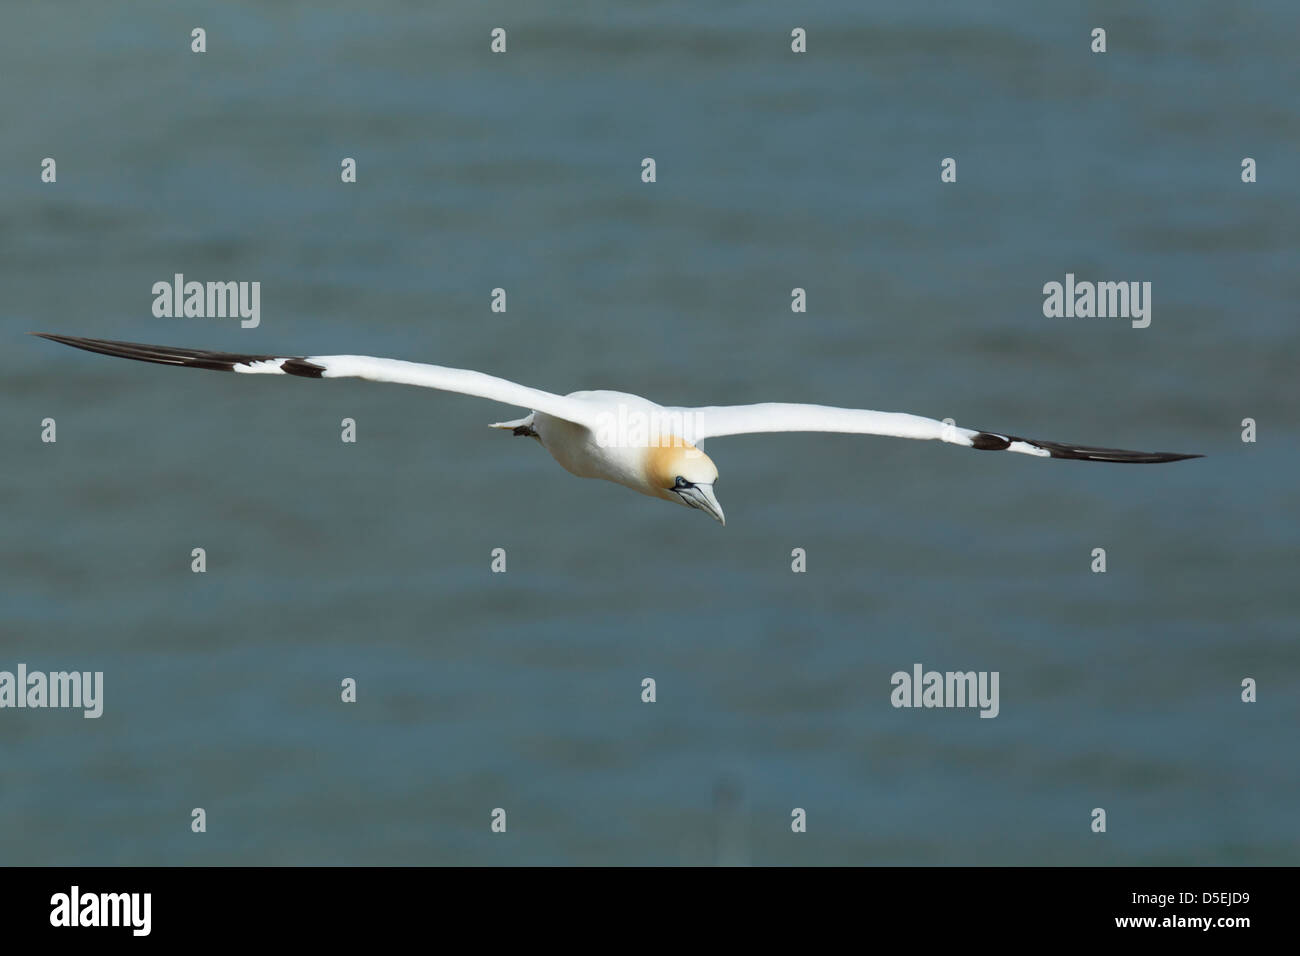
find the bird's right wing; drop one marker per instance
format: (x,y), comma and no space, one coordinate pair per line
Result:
(717,420)
(464,381)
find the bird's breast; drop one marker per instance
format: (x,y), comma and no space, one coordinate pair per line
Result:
(577,450)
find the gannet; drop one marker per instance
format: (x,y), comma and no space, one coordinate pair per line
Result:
(652,449)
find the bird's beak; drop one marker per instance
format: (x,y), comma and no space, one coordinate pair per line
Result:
(701,496)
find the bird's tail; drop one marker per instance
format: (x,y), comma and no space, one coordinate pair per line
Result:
(522,426)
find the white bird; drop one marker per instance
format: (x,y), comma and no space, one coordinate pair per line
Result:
(650,448)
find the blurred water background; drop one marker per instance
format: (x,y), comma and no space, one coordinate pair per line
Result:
(522,691)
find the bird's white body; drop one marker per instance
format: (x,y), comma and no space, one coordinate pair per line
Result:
(633,443)
(580,450)
(616,436)
(577,450)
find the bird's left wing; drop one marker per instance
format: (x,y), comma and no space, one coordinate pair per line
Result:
(717,420)
(464,381)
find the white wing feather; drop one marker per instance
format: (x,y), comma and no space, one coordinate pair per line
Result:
(464,381)
(716,420)
(601,411)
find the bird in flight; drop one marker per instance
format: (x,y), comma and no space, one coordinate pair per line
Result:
(650,448)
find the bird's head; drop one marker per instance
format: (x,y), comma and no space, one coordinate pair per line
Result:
(680,472)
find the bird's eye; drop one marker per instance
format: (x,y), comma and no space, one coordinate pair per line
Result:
(683,483)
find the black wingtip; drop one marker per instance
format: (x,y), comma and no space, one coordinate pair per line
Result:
(987,441)
(302,368)
(187,358)
(990,441)
(1119,455)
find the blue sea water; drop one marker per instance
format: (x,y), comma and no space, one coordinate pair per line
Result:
(522,690)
